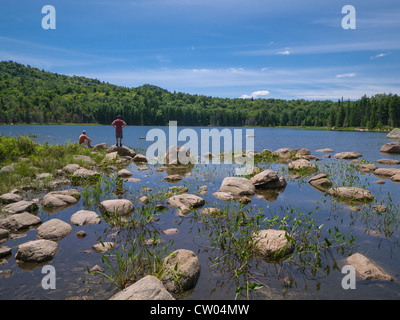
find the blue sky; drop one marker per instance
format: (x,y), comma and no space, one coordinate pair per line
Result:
(286,49)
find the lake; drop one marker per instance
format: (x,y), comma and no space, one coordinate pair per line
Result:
(375,235)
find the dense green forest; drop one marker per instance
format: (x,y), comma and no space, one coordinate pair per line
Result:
(29,95)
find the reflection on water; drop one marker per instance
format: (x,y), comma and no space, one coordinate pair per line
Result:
(376,233)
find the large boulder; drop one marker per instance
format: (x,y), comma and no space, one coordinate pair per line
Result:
(10,198)
(54,229)
(273,244)
(84,160)
(60,199)
(366,269)
(386,172)
(320,182)
(391,147)
(21,206)
(185,202)
(394,134)
(100,146)
(122,151)
(22,221)
(83,217)
(268,179)
(237,186)
(36,251)
(347,155)
(147,288)
(351,194)
(120,207)
(178,155)
(302,164)
(182,271)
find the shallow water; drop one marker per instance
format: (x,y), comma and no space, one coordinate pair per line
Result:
(285,280)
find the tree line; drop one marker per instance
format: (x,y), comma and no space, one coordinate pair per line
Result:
(29,95)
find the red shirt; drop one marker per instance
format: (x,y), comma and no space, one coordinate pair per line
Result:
(118,125)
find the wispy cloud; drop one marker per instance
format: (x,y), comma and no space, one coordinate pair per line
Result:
(381,55)
(286,52)
(346,75)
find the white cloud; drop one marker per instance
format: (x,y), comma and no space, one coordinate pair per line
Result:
(286,52)
(346,75)
(255,94)
(381,55)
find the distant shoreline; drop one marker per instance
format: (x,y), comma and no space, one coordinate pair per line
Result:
(351,129)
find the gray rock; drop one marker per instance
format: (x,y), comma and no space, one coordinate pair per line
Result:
(386,172)
(54,229)
(100,146)
(21,206)
(182,271)
(388,161)
(147,288)
(85,160)
(71,168)
(122,151)
(63,198)
(366,269)
(22,221)
(178,155)
(139,158)
(391,147)
(351,194)
(325,150)
(4,251)
(85,173)
(173,178)
(347,155)
(185,202)
(320,182)
(367,167)
(123,173)
(36,251)
(83,217)
(10,198)
(302,164)
(4,234)
(8,169)
(283,152)
(224,196)
(103,247)
(394,134)
(273,244)
(120,207)
(237,186)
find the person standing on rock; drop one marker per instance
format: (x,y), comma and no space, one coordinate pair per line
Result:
(118,124)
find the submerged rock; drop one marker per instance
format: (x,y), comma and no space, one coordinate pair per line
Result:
(103,247)
(147,288)
(366,269)
(183,270)
(273,244)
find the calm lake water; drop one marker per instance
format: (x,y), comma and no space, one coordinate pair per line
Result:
(376,235)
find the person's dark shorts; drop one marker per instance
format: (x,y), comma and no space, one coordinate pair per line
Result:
(118,135)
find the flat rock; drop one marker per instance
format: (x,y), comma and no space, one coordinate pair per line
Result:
(36,251)
(170,231)
(10,198)
(21,206)
(325,150)
(123,173)
(22,221)
(173,178)
(147,288)
(347,155)
(388,161)
(273,244)
(122,151)
(237,186)
(182,266)
(367,167)
(120,207)
(54,229)
(366,269)
(63,198)
(391,147)
(301,164)
(103,247)
(185,202)
(386,172)
(71,168)
(351,194)
(83,217)
(4,251)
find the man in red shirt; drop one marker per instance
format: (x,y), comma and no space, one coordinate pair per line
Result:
(118,124)
(84,139)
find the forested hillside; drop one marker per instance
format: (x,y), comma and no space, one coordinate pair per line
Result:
(29,95)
